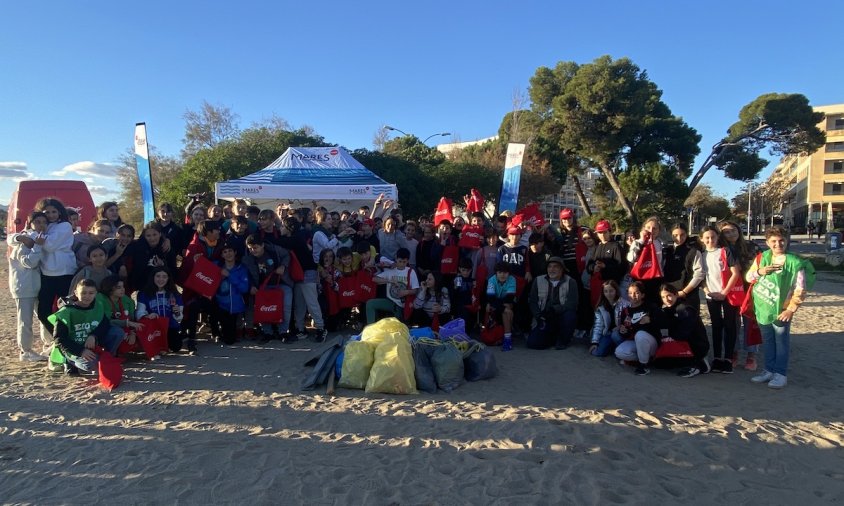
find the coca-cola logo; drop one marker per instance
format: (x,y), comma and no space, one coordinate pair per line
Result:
(366,288)
(348,293)
(153,335)
(268,309)
(448,260)
(441,212)
(205,279)
(647,265)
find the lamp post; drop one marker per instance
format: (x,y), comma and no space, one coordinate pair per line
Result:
(394,129)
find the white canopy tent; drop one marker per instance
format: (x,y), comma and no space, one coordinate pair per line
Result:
(329,176)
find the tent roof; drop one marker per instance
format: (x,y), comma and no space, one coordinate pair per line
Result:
(309,166)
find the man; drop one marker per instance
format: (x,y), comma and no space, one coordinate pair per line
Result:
(553,303)
(569,246)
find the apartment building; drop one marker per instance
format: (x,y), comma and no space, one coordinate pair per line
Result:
(816,193)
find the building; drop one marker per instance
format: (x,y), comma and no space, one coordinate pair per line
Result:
(816,191)
(552,204)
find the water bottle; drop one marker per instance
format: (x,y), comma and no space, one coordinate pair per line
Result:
(507,345)
(458,282)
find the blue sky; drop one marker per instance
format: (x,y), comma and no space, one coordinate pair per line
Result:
(76,76)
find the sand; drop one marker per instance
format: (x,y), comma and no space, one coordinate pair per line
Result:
(555,427)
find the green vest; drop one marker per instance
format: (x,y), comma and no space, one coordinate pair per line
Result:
(770,292)
(80,323)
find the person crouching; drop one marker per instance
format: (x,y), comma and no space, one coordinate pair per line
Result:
(553,304)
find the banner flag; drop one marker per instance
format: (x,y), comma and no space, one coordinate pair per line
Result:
(144,176)
(512,175)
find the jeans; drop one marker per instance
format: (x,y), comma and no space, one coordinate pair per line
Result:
(607,343)
(307,301)
(775,340)
(110,343)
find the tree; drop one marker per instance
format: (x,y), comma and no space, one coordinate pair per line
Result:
(380,138)
(249,151)
(410,148)
(704,203)
(163,170)
(784,123)
(610,116)
(207,127)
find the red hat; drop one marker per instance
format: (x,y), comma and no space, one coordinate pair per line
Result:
(369,222)
(603,226)
(514,231)
(566,214)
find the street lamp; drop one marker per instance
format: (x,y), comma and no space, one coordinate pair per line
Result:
(443,134)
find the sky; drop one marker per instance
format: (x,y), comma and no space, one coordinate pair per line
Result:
(75,77)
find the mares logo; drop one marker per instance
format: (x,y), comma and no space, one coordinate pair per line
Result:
(268,309)
(359,191)
(205,279)
(318,158)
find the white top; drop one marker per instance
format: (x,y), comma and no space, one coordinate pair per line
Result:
(397,279)
(58,258)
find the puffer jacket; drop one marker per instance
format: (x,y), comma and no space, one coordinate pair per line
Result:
(603,322)
(230,294)
(24,272)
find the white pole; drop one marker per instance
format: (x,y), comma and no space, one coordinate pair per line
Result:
(749,187)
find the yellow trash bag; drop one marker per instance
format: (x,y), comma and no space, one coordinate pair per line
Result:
(392,370)
(357,361)
(378,331)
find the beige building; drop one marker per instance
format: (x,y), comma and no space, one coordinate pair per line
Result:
(552,204)
(816,193)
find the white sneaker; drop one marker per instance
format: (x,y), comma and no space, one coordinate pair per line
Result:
(778,381)
(31,356)
(765,377)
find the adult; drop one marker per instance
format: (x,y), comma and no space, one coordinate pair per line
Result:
(553,303)
(109,211)
(568,244)
(781,282)
(58,263)
(684,265)
(390,239)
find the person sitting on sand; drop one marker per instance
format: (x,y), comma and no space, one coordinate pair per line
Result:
(605,335)
(639,330)
(684,324)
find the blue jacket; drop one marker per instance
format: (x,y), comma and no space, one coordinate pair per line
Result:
(230,294)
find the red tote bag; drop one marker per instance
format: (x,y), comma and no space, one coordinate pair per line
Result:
(110,369)
(408,300)
(348,295)
(152,337)
(674,349)
(366,286)
(269,304)
(443,212)
(647,265)
(448,263)
(471,237)
(297,274)
(492,334)
(205,278)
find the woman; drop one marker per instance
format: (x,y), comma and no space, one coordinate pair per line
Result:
(58,263)
(109,211)
(684,324)
(780,282)
(431,302)
(147,253)
(609,255)
(745,252)
(391,239)
(649,233)
(683,265)
(639,330)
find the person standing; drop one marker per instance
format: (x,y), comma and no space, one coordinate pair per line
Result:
(781,282)
(58,262)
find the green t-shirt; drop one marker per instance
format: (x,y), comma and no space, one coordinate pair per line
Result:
(80,324)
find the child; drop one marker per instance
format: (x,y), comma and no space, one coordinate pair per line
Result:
(80,327)
(412,242)
(465,302)
(605,334)
(500,297)
(265,260)
(229,295)
(402,284)
(98,232)
(160,298)
(237,234)
(638,329)
(431,302)
(24,283)
(120,309)
(328,288)
(718,261)
(96,270)
(682,320)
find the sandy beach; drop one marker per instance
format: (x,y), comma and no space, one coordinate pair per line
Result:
(231,426)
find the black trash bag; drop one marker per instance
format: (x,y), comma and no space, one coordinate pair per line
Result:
(447,361)
(424,371)
(479,363)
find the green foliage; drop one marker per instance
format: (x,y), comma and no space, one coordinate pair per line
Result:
(653,189)
(410,148)
(250,151)
(163,170)
(207,127)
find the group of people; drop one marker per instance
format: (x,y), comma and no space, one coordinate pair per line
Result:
(508,276)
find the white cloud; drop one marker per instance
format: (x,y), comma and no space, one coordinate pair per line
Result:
(102,191)
(92,169)
(15,171)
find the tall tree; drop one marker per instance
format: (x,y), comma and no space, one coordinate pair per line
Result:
(609,115)
(784,123)
(163,170)
(207,127)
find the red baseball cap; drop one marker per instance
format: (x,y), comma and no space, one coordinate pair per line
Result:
(603,226)
(514,231)
(566,214)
